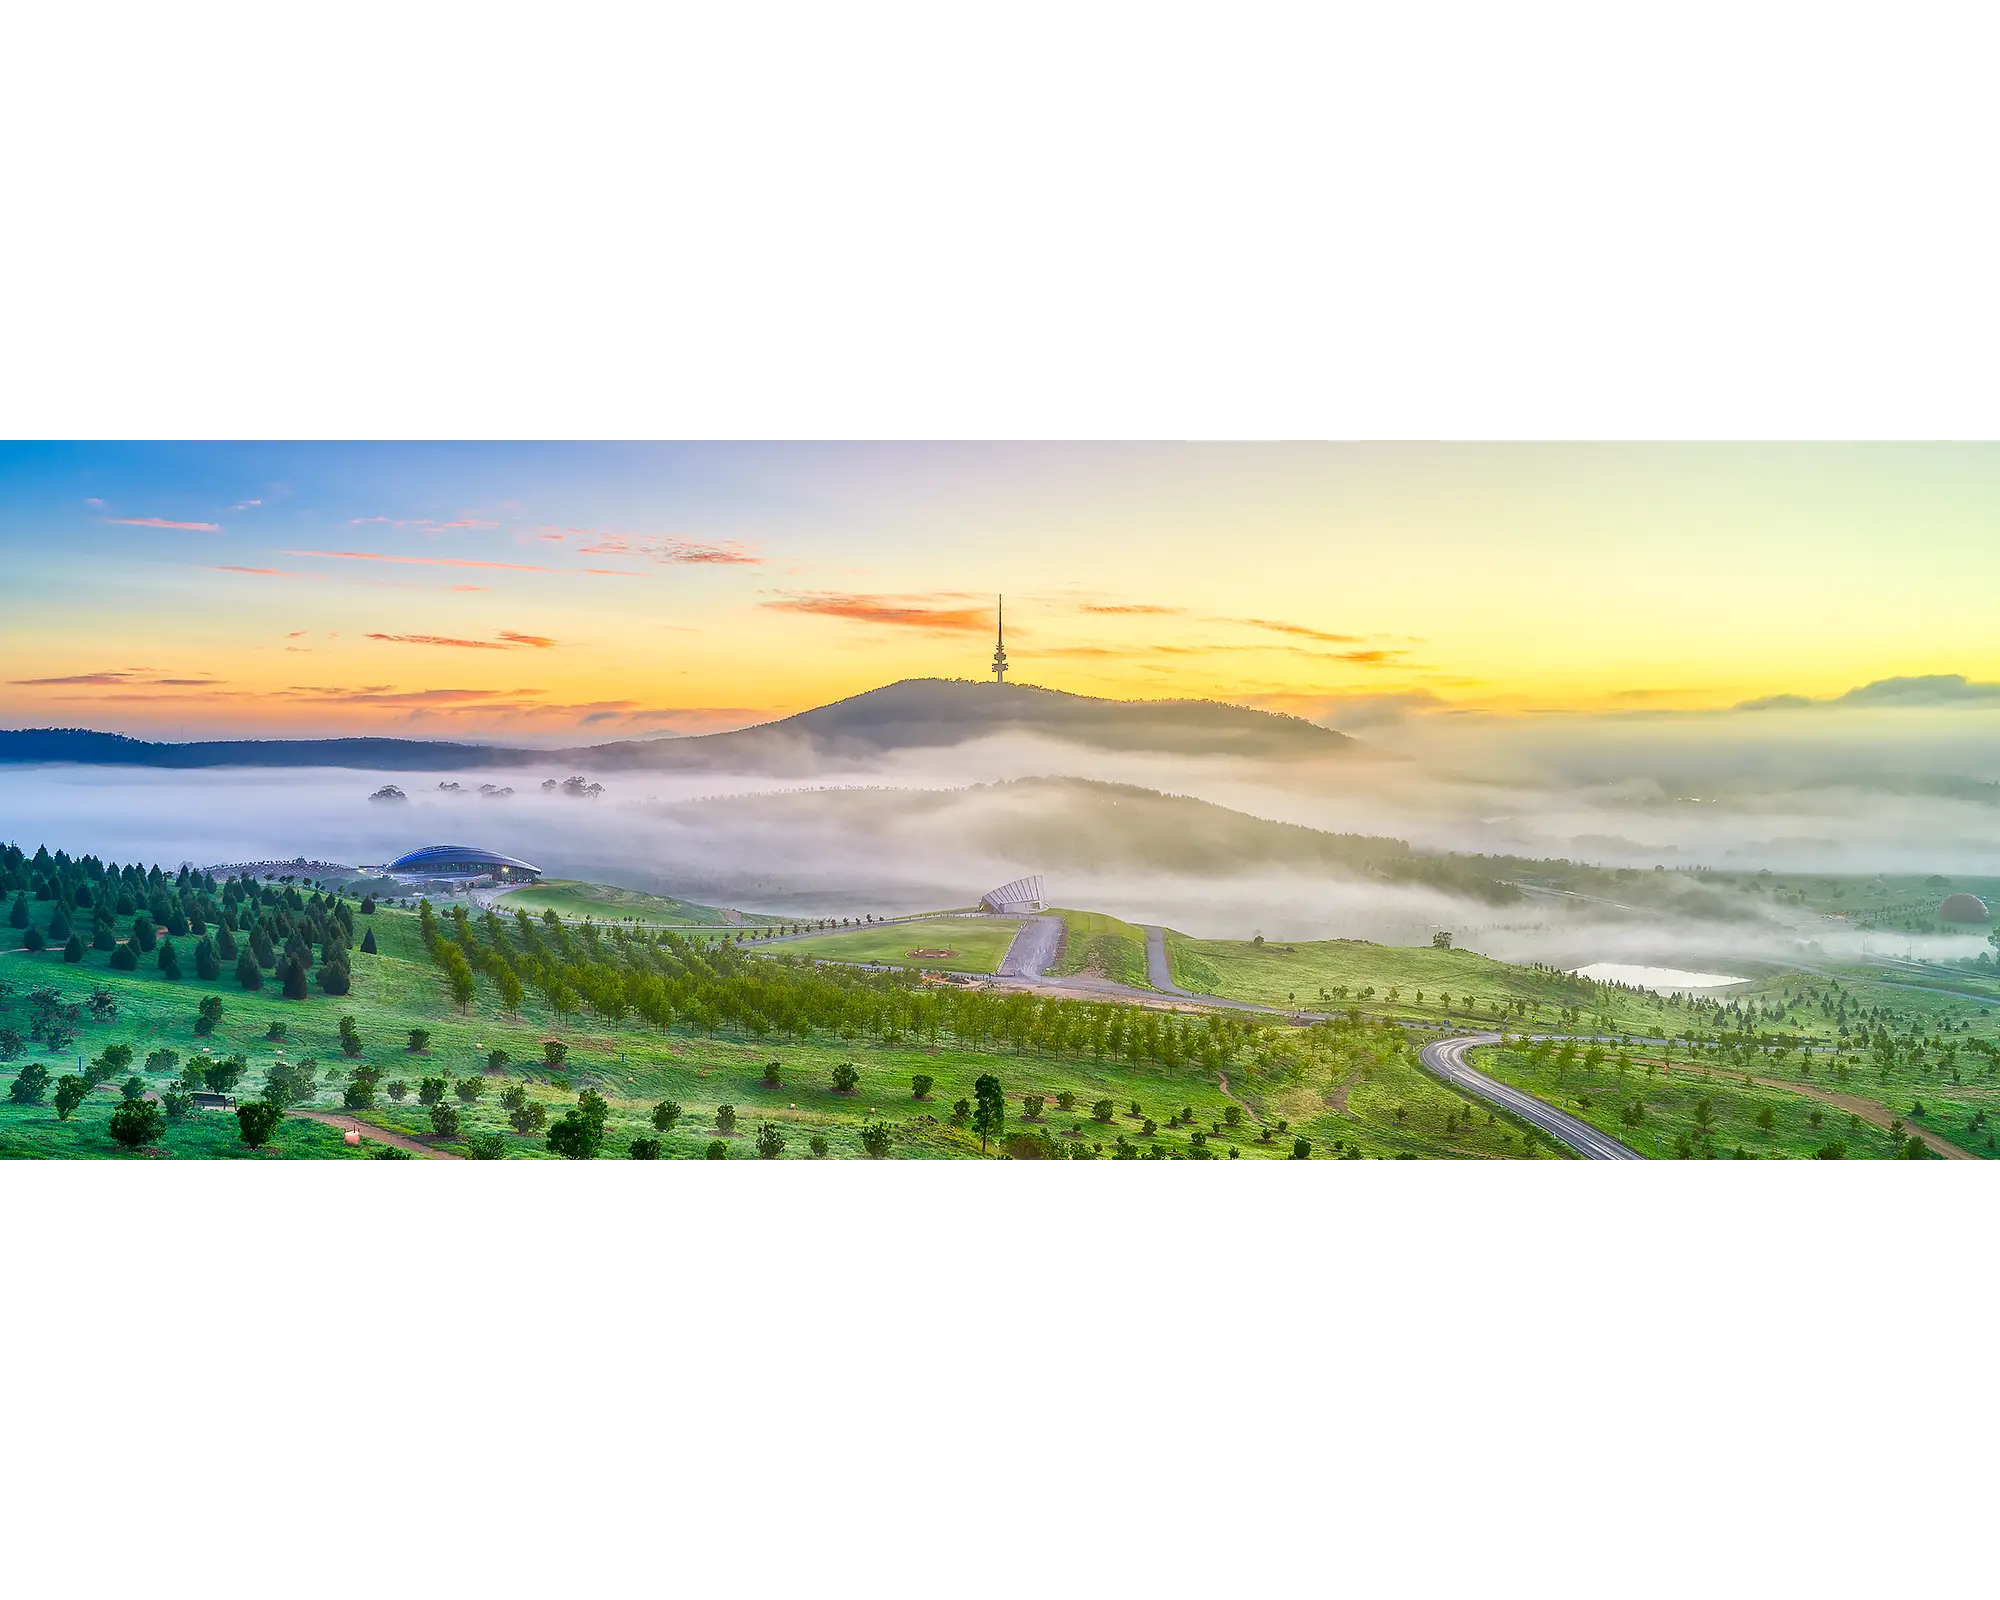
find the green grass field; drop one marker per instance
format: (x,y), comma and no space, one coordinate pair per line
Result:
(1349,1088)
(1104,947)
(605,902)
(1668,1123)
(980,942)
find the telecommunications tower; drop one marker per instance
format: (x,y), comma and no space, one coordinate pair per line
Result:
(1000,643)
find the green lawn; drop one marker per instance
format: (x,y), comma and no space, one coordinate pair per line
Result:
(35,1133)
(1668,1105)
(1103,946)
(605,902)
(979,943)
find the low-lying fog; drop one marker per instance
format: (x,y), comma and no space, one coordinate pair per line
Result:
(1844,805)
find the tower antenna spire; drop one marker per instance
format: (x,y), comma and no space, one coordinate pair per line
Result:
(1000,642)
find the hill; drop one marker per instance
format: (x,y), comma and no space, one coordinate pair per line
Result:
(1083,825)
(917,714)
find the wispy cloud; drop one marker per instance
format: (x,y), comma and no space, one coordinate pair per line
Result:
(267,572)
(419,561)
(669,552)
(419,522)
(505,641)
(1292,628)
(245,505)
(931,612)
(117,678)
(162,522)
(1134,611)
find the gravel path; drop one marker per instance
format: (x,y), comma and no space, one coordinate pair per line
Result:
(1034,948)
(1158,973)
(336,1119)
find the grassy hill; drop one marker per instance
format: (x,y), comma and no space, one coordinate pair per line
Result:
(1104,947)
(568,898)
(977,943)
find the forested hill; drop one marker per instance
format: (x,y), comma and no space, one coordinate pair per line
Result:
(919,714)
(381,755)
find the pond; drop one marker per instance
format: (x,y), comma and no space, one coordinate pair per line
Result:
(1661,980)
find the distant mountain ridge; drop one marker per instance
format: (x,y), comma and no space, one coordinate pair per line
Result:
(916,714)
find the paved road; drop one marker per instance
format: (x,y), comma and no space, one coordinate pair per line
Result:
(1446,1058)
(1158,973)
(1034,948)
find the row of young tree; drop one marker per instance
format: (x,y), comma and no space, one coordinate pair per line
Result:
(666,981)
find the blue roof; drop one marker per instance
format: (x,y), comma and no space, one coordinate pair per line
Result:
(436,855)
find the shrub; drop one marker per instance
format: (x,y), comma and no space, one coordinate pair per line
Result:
(420,1039)
(1066,1101)
(176,1101)
(529,1117)
(1104,1110)
(921,1086)
(350,1037)
(388,1152)
(845,1078)
(1302,1149)
(469,1089)
(496,1061)
(718,1150)
(114,1059)
(430,1091)
(398,1090)
(162,1061)
(122,959)
(1031,1106)
(770,1143)
(961,1110)
(444,1120)
(1232,1115)
(72,950)
(485,1147)
(771,1078)
(33,939)
(30,1086)
(137,1122)
(133,1088)
(645,1149)
(818,1146)
(666,1114)
(207,1015)
(359,1094)
(368,941)
(554,1054)
(875,1139)
(70,1093)
(257,1120)
(725,1119)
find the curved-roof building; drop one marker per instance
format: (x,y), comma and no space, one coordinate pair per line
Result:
(461,861)
(1021,896)
(1963,908)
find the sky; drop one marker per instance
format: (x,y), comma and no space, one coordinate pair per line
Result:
(554,593)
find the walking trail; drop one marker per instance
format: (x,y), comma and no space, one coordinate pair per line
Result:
(336,1119)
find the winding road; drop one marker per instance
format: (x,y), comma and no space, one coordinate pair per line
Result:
(1446,1060)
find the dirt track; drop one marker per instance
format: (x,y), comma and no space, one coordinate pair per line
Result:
(336,1119)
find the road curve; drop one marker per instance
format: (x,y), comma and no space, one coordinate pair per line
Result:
(1446,1058)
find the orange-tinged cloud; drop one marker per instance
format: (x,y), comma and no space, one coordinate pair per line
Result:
(418,561)
(506,641)
(896,611)
(267,572)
